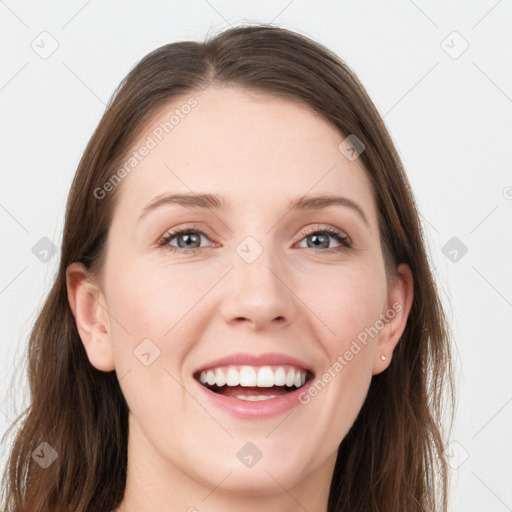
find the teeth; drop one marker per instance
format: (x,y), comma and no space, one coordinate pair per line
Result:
(255,398)
(220,377)
(290,378)
(265,377)
(247,376)
(262,377)
(233,378)
(210,377)
(280,377)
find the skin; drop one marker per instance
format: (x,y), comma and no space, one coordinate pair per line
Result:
(258,151)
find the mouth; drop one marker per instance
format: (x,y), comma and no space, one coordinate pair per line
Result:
(254,383)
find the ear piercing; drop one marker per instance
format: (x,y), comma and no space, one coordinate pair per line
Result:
(383,357)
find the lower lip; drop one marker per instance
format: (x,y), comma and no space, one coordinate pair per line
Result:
(259,409)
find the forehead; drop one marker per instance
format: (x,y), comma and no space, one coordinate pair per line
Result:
(248,146)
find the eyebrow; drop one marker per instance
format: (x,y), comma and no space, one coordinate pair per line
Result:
(217,202)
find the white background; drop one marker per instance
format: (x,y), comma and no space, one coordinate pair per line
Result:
(450,116)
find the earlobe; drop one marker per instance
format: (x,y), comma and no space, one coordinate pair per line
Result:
(400,300)
(89,309)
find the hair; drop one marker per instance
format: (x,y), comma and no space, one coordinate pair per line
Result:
(393,457)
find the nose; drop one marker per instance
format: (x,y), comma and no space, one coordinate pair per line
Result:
(259,294)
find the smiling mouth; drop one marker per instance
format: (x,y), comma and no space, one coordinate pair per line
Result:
(238,383)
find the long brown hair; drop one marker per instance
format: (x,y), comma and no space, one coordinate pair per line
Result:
(393,458)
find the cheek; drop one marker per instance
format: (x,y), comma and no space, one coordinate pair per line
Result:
(151,299)
(346,301)
(152,327)
(346,306)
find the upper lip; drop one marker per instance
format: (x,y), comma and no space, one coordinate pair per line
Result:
(266,359)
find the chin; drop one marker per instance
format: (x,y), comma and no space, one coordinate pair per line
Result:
(254,481)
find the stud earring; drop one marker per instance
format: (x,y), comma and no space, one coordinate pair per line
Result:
(383,357)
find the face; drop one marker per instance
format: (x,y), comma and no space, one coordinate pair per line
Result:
(252,277)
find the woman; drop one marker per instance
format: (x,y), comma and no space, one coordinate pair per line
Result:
(295,357)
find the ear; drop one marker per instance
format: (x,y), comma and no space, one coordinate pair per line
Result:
(90,311)
(400,299)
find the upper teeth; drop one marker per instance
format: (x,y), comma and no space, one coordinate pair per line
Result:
(263,377)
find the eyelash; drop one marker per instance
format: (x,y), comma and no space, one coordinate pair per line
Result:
(340,236)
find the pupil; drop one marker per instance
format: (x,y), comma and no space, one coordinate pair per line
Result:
(188,237)
(324,244)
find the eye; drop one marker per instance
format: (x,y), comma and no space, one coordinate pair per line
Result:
(323,240)
(193,237)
